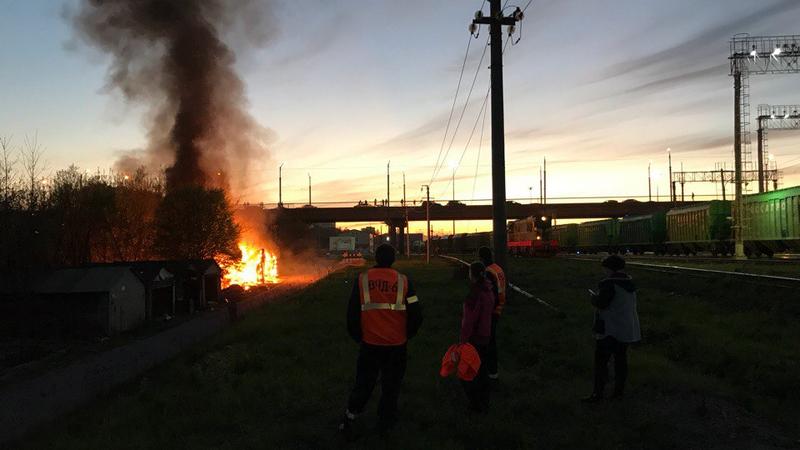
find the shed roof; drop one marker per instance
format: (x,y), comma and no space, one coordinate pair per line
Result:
(86,279)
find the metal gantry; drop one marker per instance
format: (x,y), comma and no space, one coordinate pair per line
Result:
(753,55)
(772,117)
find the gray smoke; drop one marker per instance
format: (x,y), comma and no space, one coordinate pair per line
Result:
(170,56)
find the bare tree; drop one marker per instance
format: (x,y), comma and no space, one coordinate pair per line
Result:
(7,163)
(34,167)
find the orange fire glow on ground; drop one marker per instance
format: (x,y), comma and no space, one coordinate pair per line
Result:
(256,268)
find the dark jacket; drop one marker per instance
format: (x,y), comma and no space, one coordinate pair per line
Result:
(476,322)
(413,312)
(616,314)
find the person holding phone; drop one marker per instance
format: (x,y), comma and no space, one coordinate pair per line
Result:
(616,325)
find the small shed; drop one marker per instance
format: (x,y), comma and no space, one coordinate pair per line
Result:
(108,300)
(197,282)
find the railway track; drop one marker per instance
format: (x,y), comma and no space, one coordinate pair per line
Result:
(756,278)
(778,260)
(513,287)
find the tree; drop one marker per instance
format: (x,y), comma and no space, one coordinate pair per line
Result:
(7,176)
(196,223)
(33,165)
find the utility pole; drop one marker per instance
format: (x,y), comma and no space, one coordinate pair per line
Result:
(496,21)
(541,194)
(387,186)
(649,184)
(671,183)
(405,210)
(309,189)
(280,185)
(428,219)
(544,180)
(453,182)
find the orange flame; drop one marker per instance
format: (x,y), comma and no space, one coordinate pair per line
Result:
(257,267)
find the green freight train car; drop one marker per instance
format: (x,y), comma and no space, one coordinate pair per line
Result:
(599,236)
(566,236)
(639,234)
(705,227)
(772,221)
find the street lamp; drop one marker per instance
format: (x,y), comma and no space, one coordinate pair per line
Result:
(453,166)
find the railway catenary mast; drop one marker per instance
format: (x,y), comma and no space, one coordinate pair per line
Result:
(496,20)
(757,55)
(773,117)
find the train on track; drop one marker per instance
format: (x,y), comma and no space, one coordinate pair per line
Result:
(771,224)
(526,237)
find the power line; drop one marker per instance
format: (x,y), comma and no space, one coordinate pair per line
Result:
(478,159)
(463,111)
(453,107)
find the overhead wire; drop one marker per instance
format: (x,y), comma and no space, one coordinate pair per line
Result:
(455,99)
(474,127)
(440,163)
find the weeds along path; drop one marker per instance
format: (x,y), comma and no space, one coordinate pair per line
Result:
(708,375)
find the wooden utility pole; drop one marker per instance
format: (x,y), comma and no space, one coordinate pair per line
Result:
(428,219)
(496,21)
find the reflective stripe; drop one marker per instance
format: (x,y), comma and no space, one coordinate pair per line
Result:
(401,288)
(388,306)
(501,285)
(365,288)
(412,299)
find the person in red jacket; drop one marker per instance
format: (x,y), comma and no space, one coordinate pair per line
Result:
(497,277)
(476,329)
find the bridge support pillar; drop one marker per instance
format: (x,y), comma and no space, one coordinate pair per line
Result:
(393,235)
(401,241)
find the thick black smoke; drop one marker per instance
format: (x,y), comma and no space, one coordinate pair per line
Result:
(170,56)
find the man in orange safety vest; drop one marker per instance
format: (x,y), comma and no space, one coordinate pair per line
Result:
(382,314)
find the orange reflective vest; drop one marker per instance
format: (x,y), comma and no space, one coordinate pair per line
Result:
(383,306)
(500,278)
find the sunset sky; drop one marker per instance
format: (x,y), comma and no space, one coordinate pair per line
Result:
(600,88)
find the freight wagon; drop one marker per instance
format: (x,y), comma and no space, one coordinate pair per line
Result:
(598,236)
(705,227)
(566,236)
(639,234)
(772,222)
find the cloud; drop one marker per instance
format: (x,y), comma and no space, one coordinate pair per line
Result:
(695,47)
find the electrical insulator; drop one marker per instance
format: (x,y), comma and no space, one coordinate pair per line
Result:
(472,28)
(511,29)
(478,14)
(518,15)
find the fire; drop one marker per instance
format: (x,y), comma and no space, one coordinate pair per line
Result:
(257,267)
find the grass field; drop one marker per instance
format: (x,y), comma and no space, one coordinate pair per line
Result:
(718,368)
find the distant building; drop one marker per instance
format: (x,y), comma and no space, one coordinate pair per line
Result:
(341,243)
(94,300)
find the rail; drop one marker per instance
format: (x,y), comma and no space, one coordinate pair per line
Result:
(668,268)
(513,287)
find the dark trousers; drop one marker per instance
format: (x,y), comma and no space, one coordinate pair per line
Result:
(604,349)
(388,362)
(478,389)
(491,350)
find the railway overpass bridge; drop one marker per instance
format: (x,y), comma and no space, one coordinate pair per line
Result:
(396,215)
